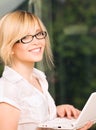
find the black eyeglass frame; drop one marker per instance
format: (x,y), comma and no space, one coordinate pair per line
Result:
(36,36)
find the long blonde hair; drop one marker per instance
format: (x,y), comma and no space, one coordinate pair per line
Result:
(14,26)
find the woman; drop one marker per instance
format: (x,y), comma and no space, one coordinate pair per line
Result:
(24,97)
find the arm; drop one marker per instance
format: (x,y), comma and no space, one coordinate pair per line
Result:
(9,117)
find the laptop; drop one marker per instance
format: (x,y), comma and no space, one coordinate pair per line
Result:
(87,114)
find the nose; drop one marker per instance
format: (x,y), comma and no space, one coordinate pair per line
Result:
(35,40)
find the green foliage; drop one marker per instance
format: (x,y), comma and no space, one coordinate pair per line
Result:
(74,32)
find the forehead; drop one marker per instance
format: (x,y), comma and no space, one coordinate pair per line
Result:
(32,27)
(27,25)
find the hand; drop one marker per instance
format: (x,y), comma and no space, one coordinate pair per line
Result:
(70,111)
(67,111)
(87,126)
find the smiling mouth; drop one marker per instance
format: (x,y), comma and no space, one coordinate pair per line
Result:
(35,50)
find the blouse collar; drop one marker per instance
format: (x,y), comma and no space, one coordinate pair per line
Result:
(14,76)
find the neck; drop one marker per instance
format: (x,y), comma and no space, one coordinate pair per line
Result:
(24,70)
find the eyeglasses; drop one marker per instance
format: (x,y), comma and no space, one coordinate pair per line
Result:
(28,38)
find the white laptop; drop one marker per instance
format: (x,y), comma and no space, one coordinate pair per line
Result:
(87,114)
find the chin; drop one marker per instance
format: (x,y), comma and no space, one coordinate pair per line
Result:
(38,59)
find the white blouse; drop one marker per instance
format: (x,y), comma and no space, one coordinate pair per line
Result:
(34,105)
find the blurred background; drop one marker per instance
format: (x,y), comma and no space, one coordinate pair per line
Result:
(72,28)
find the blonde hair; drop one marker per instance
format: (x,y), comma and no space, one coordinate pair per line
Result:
(14,26)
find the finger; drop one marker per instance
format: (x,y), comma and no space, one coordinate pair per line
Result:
(62,113)
(69,113)
(76,113)
(72,112)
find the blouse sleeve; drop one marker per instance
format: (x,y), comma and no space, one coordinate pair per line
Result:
(9,93)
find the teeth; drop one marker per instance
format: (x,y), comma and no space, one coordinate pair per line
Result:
(36,50)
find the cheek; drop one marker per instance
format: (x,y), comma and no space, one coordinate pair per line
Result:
(44,43)
(18,49)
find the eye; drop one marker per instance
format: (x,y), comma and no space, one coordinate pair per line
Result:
(41,33)
(26,38)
